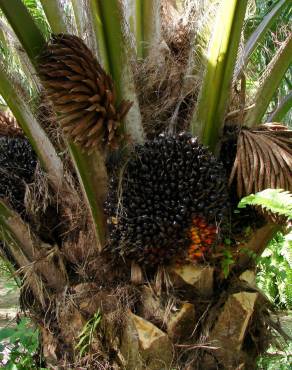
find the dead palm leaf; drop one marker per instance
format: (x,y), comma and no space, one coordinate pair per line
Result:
(263,159)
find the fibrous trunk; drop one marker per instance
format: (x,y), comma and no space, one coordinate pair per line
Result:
(122,308)
(186,319)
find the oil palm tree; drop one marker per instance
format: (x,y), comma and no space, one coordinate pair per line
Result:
(137,138)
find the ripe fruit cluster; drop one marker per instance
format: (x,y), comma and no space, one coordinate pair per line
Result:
(165,184)
(17,166)
(203,236)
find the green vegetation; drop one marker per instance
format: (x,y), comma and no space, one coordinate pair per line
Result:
(275,271)
(19,346)
(274,278)
(276,359)
(86,336)
(276,201)
(276,32)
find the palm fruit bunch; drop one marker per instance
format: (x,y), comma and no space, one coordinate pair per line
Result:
(83,95)
(165,184)
(203,236)
(17,166)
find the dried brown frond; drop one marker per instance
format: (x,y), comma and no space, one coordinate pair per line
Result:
(263,159)
(167,80)
(43,208)
(159,79)
(37,195)
(82,252)
(236,109)
(176,29)
(32,282)
(82,93)
(9,126)
(59,217)
(48,119)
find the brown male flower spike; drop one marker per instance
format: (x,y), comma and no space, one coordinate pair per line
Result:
(82,93)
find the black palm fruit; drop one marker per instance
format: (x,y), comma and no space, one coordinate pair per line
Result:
(17,166)
(164,184)
(229,146)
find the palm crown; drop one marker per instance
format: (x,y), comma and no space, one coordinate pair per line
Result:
(146,138)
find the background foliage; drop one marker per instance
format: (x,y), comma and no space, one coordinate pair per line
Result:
(20,344)
(275,271)
(264,52)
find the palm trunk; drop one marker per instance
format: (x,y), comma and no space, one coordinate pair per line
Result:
(188,317)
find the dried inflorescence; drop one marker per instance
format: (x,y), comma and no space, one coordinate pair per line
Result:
(9,126)
(165,184)
(17,166)
(82,93)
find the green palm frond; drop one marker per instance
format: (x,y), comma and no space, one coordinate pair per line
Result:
(276,201)
(259,33)
(208,117)
(36,10)
(55,16)
(269,82)
(283,107)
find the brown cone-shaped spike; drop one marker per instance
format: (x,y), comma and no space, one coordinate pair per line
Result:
(82,93)
(9,126)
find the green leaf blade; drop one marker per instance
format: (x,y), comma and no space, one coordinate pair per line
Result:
(208,118)
(19,17)
(276,201)
(259,34)
(271,80)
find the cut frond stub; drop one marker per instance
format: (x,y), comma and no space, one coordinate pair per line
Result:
(263,159)
(82,93)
